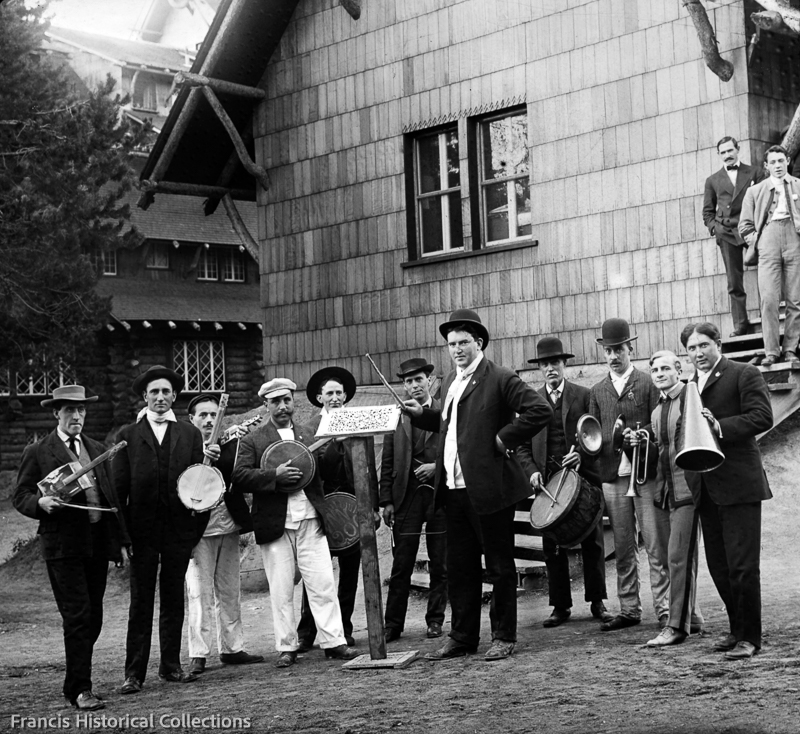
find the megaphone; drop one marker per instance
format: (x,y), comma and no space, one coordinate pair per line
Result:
(697,444)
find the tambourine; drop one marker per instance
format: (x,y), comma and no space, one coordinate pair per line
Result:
(298,455)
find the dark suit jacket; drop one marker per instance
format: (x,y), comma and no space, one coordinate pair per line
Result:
(636,404)
(136,479)
(739,399)
(533,454)
(722,202)
(234,501)
(396,461)
(66,532)
(488,409)
(269,504)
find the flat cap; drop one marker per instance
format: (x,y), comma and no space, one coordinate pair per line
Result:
(277,387)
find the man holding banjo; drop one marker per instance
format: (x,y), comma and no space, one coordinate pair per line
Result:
(287,501)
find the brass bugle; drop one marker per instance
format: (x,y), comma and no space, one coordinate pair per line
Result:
(697,444)
(639,463)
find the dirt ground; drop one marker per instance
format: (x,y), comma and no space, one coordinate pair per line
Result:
(570,679)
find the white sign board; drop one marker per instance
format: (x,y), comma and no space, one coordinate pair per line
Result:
(361,421)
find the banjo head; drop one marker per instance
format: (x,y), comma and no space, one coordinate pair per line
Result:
(201,487)
(295,452)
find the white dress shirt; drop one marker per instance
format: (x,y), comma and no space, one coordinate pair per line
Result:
(619,382)
(298,507)
(452,464)
(702,377)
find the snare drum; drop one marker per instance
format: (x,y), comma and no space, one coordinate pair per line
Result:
(578,509)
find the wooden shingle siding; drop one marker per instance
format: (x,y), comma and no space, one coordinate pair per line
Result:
(623,117)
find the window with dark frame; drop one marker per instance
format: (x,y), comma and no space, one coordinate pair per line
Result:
(208,267)
(105,262)
(233,265)
(158,256)
(202,364)
(44,380)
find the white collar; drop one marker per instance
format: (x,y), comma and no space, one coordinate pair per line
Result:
(65,437)
(777,183)
(151,416)
(705,375)
(558,390)
(470,368)
(623,377)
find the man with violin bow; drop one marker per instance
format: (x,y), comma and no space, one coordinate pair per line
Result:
(212,579)
(549,451)
(80,528)
(287,520)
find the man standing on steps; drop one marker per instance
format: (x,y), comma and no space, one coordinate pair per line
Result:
(722,205)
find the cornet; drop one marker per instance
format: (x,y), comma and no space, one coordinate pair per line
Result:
(639,464)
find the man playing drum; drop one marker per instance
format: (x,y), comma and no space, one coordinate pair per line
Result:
(550,450)
(212,579)
(162,529)
(288,528)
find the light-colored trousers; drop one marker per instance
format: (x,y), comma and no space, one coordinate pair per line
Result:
(212,581)
(623,512)
(684,537)
(307,548)
(779,272)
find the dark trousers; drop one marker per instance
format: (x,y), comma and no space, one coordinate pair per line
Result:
(469,535)
(349,567)
(732,536)
(78,587)
(173,556)
(594,569)
(417,508)
(733,257)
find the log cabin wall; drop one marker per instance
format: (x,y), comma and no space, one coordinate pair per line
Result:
(622,117)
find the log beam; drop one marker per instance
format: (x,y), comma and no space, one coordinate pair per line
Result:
(185,78)
(708,41)
(353,7)
(240,228)
(789,17)
(190,189)
(772,22)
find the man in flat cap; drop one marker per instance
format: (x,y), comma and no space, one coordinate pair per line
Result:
(488,412)
(212,579)
(406,495)
(162,529)
(548,452)
(77,544)
(288,527)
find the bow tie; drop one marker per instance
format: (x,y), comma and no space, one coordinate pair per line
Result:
(732,168)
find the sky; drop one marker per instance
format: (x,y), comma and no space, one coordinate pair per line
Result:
(108,17)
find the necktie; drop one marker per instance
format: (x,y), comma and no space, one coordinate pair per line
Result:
(664,440)
(72,441)
(554,396)
(732,168)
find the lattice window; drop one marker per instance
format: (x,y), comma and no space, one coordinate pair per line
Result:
(202,364)
(34,436)
(158,256)
(45,380)
(5,382)
(233,267)
(208,266)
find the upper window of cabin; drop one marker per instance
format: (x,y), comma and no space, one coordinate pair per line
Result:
(158,256)
(438,192)
(105,262)
(222,263)
(144,95)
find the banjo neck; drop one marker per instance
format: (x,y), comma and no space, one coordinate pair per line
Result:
(217,428)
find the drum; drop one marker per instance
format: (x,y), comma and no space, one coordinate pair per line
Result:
(340,515)
(295,452)
(574,516)
(201,488)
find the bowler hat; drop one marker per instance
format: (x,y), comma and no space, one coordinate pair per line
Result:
(158,372)
(202,398)
(318,379)
(615,332)
(550,348)
(465,316)
(276,388)
(414,365)
(68,394)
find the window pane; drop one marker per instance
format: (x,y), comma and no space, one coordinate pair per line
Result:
(207,267)
(451,142)
(202,364)
(428,163)
(456,230)
(233,270)
(523,195)
(496,203)
(430,214)
(505,147)
(158,256)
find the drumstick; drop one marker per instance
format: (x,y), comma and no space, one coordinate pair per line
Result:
(384,381)
(561,481)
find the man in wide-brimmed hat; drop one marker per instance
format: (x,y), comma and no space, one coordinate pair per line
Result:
(162,529)
(330,389)
(406,495)
(629,393)
(77,544)
(548,452)
(488,411)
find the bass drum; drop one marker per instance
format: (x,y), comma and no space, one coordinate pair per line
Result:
(300,457)
(574,516)
(340,516)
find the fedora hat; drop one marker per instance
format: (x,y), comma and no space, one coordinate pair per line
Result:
(158,372)
(319,378)
(68,394)
(414,365)
(550,348)
(615,332)
(465,316)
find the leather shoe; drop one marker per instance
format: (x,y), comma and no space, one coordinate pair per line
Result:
(341,652)
(724,643)
(743,650)
(286,659)
(240,658)
(770,360)
(619,622)
(434,630)
(499,650)
(599,611)
(305,645)
(87,701)
(741,331)
(696,628)
(390,634)
(451,649)
(667,636)
(197,666)
(557,616)
(789,357)
(178,676)
(131,685)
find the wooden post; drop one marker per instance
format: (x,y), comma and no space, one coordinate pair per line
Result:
(369,550)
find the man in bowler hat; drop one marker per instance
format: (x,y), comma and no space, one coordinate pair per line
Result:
(549,451)
(406,495)
(488,411)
